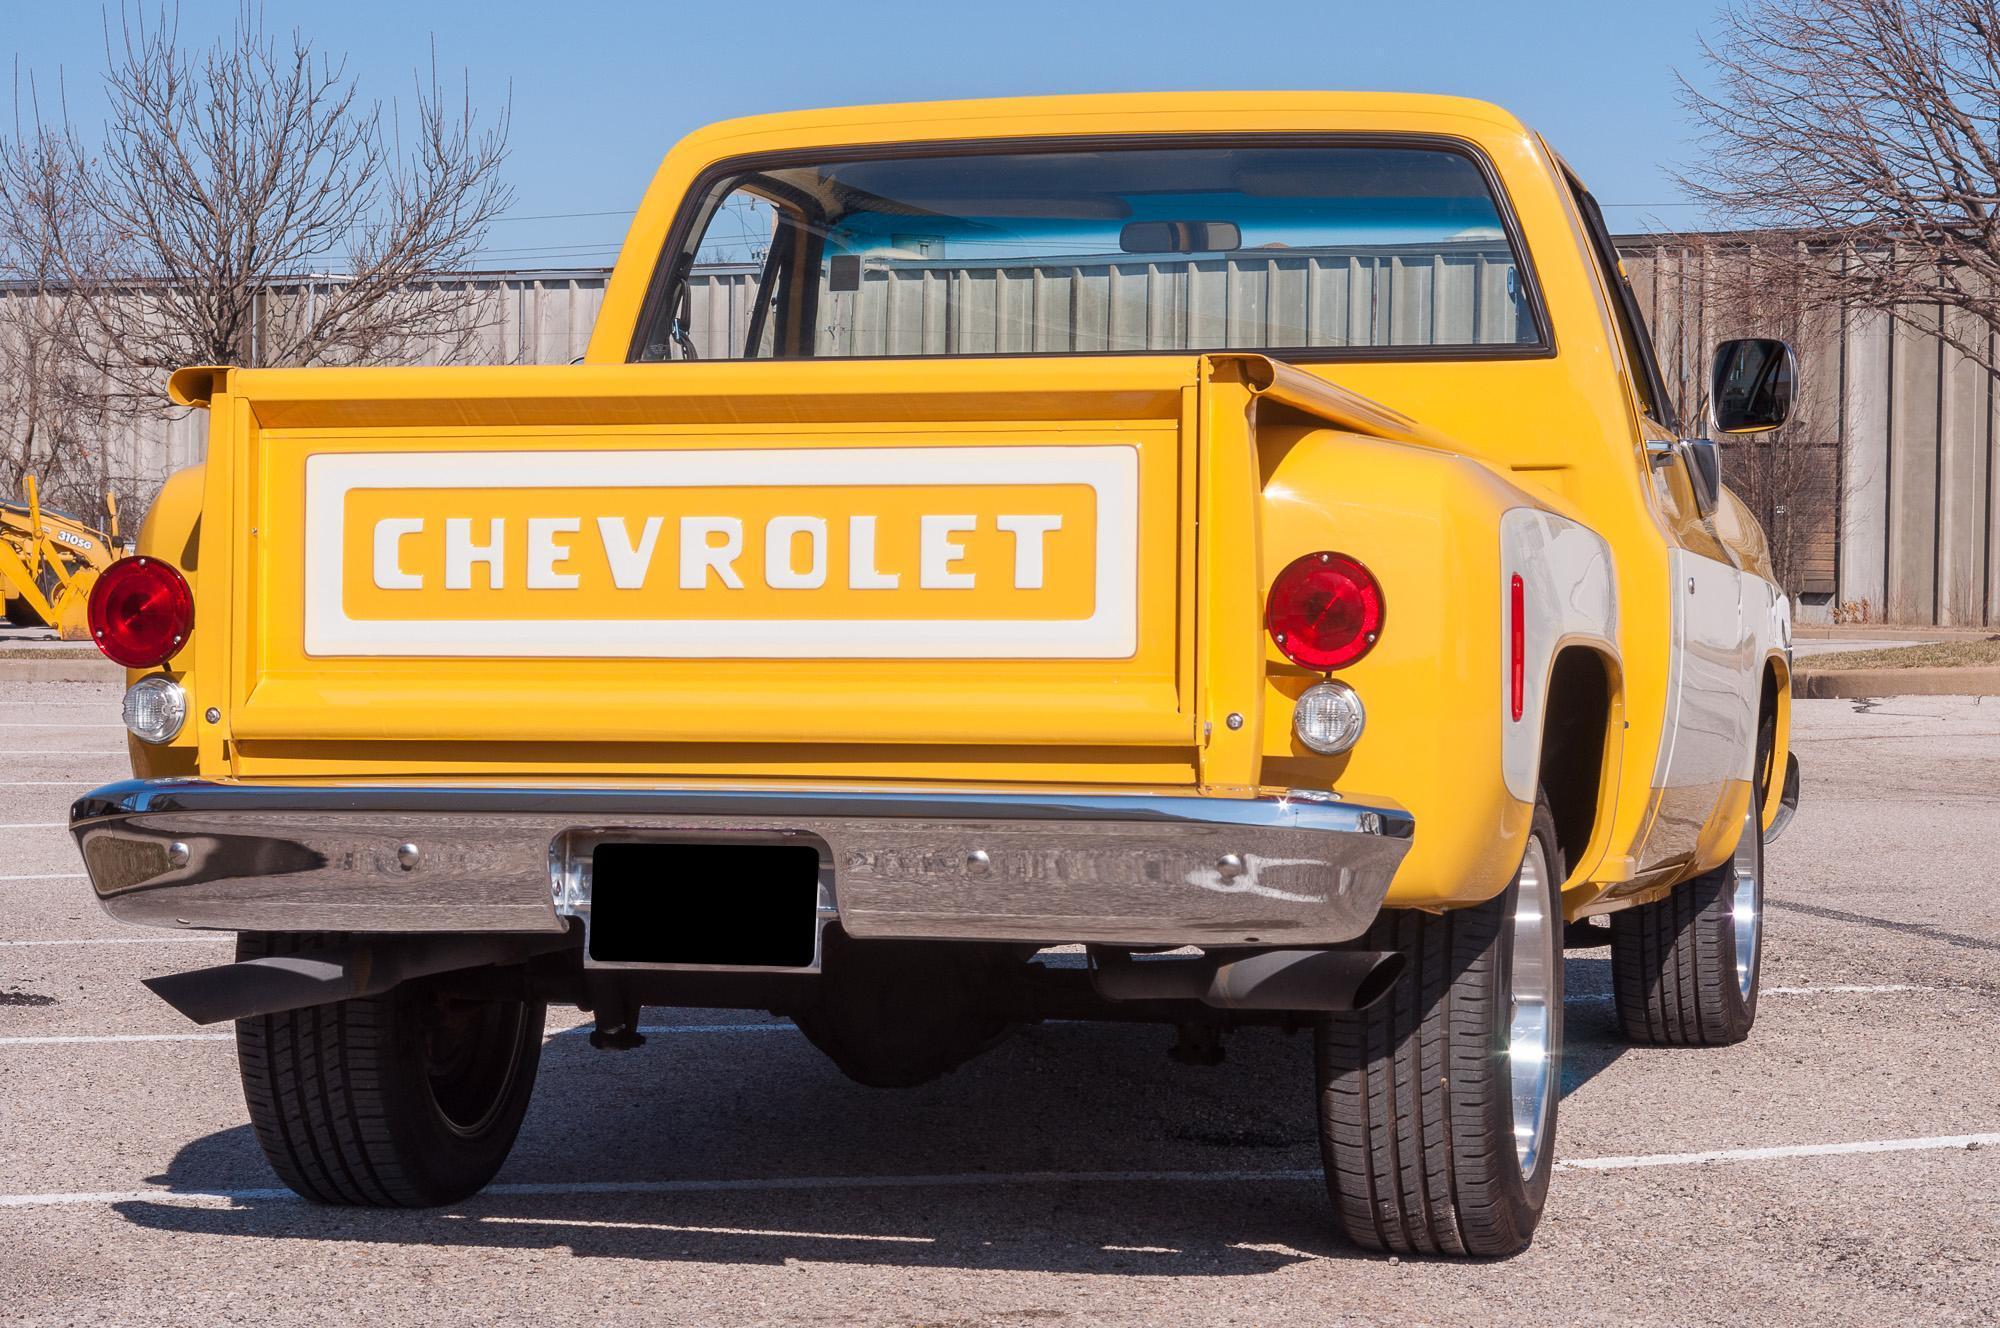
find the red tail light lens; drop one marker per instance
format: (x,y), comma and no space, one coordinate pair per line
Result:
(1325,611)
(141,612)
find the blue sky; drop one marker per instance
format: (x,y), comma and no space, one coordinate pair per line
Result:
(600,89)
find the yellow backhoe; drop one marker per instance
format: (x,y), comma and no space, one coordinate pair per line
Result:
(50,559)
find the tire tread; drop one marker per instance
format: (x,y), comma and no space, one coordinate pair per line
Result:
(1408,1101)
(318,1083)
(1673,967)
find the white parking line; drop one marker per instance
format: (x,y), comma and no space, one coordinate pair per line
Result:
(127,940)
(1838,989)
(77,1039)
(987,1180)
(37,825)
(491,1220)
(48,876)
(74,751)
(81,1039)
(1935,1141)
(9,725)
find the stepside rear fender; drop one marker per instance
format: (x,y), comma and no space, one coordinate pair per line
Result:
(1445,535)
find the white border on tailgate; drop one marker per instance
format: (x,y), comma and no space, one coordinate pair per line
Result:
(1111,632)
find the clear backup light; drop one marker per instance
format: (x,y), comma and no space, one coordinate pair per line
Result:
(1328,717)
(155,709)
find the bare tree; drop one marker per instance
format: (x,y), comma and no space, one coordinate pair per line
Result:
(1701,289)
(1868,131)
(53,416)
(254,209)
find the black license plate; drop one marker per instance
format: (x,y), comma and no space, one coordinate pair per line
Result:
(736,905)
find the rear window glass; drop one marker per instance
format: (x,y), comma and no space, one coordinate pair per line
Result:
(1309,249)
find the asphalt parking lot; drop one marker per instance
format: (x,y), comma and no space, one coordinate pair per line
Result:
(1840,1168)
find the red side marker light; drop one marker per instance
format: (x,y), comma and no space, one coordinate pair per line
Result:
(1517,646)
(1324,611)
(140,612)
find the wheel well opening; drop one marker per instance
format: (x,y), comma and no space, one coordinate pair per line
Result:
(1573,733)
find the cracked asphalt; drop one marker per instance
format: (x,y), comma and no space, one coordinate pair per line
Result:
(1839,1168)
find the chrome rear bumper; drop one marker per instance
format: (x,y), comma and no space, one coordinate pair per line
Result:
(1131,869)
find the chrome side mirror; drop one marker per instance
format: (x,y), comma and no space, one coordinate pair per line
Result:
(1752,385)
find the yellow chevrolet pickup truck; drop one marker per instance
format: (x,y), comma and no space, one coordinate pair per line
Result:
(1244,538)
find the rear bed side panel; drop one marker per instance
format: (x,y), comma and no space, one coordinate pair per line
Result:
(221,620)
(1424,522)
(1229,636)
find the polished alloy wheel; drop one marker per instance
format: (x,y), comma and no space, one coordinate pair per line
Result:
(1530,1026)
(1747,911)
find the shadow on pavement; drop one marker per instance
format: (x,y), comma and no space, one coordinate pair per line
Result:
(1116,1230)
(1591,1037)
(1062,1100)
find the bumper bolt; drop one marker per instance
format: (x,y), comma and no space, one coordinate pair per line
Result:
(1229,866)
(978,863)
(408,855)
(177,854)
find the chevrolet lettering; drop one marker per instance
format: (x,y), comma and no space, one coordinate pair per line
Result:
(1215,560)
(859,552)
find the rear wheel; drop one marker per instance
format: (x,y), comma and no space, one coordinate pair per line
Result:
(1685,969)
(1437,1105)
(408,1099)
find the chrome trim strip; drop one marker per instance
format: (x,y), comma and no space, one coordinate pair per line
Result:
(1143,869)
(1299,809)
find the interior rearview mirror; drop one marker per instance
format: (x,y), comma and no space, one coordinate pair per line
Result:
(1179,237)
(1752,384)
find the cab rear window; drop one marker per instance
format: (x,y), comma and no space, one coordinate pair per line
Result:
(1309,250)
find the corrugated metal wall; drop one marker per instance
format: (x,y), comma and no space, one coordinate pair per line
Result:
(1380,295)
(522,318)
(1898,433)
(1892,459)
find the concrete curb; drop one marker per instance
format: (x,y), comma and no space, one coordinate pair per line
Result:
(61,668)
(1830,684)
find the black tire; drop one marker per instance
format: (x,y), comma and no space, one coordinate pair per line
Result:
(1416,1093)
(1676,976)
(403,1100)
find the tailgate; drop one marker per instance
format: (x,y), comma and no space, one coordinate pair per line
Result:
(786,569)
